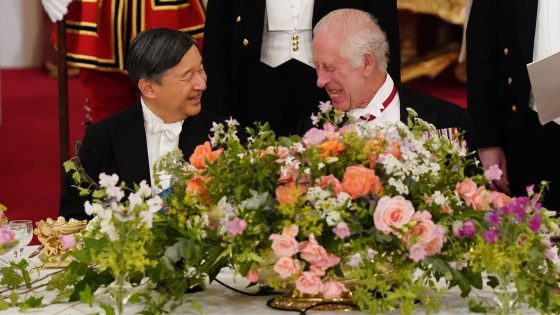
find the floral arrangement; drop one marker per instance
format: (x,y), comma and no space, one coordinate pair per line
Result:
(7,239)
(382,211)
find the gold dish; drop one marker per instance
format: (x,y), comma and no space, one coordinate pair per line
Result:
(50,231)
(305,303)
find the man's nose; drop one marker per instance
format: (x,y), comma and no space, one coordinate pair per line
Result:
(322,79)
(200,83)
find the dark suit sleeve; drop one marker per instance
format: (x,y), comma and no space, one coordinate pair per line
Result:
(385,11)
(483,73)
(72,204)
(216,55)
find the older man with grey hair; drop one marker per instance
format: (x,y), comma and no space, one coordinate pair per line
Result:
(350,55)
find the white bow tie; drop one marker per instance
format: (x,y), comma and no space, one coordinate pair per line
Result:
(171,131)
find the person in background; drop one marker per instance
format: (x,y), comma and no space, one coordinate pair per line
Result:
(350,57)
(503,36)
(166,67)
(258,57)
(98,33)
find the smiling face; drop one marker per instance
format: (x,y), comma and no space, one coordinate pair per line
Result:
(346,84)
(177,95)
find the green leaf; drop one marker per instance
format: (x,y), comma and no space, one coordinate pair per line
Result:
(196,306)
(86,296)
(32,302)
(14,297)
(76,177)
(477,307)
(11,278)
(4,305)
(69,165)
(109,310)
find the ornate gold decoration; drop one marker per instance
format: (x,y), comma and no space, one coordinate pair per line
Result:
(49,232)
(293,302)
(452,11)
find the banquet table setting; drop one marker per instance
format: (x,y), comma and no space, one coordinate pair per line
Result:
(216,299)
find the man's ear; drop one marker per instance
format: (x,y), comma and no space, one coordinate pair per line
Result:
(369,63)
(146,87)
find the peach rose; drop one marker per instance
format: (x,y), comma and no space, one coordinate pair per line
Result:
(319,272)
(499,200)
(372,160)
(289,194)
(290,231)
(330,148)
(284,246)
(309,283)
(392,213)
(286,267)
(333,289)
(395,150)
(466,189)
(434,245)
(330,182)
(359,180)
(197,186)
(480,199)
(252,276)
(203,153)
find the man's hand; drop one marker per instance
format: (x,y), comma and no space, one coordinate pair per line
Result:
(56,9)
(495,156)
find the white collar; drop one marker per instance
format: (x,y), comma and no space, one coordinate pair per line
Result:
(385,95)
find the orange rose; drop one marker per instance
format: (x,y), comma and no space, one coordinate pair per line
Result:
(289,194)
(359,180)
(480,199)
(395,150)
(466,189)
(330,148)
(372,159)
(204,153)
(499,199)
(197,187)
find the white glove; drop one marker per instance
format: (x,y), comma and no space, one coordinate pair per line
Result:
(56,9)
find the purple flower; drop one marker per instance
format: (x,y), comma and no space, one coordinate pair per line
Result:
(469,229)
(491,236)
(493,218)
(535,222)
(530,190)
(459,232)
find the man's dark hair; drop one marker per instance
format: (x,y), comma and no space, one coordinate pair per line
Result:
(155,51)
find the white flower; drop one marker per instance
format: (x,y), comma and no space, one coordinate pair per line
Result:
(154,204)
(231,122)
(314,120)
(135,199)
(355,260)
(371,253)
(144,190)
(321,165)
(438,198)
(325,106)
(108,180)
(92,209)
(114,192)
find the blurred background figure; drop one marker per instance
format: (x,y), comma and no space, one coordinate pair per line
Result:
(258,57)
(503,36)
(98,33)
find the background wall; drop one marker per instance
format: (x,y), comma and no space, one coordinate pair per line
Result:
(21,33)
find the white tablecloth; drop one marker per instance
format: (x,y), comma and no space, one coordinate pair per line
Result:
(217,299)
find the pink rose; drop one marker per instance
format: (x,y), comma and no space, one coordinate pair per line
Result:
(330,182)
(417,252)
(493,172)
(309,283)
(68,241)
(6,235)
(333,289)
(466,189)
(236,226)
(341,230)
(312,252)
(319,272)
(288,173)
(252,276)
(314,136)
(328,261)
(392,213)
(286,267)
(284,246)
(421,232)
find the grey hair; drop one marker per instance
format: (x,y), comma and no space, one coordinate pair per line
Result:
(362,33)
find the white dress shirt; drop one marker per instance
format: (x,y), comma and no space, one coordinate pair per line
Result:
(385,105)
(547,35)
(160,139)
(287,32)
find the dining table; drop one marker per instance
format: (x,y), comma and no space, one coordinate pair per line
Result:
(221,297)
